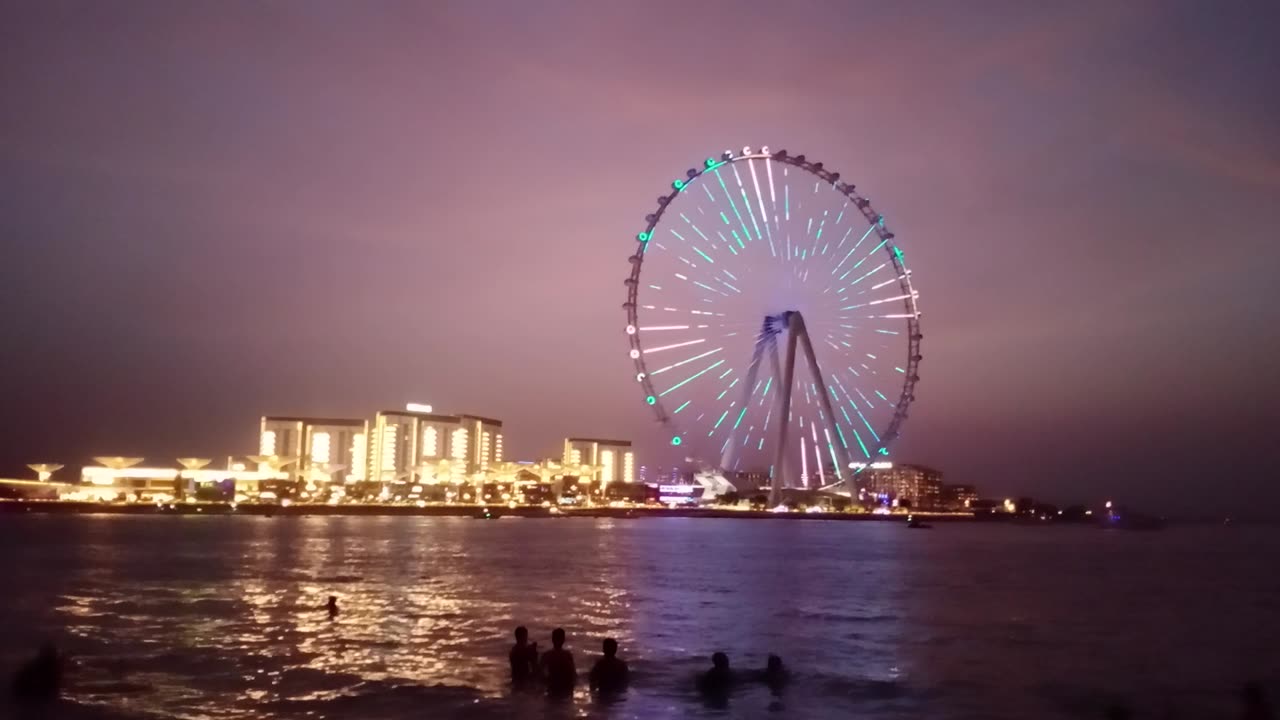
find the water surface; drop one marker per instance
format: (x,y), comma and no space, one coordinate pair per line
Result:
(223,617)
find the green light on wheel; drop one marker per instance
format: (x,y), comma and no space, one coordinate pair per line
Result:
(678,185)
(651,400)
(676,440)
(643,237)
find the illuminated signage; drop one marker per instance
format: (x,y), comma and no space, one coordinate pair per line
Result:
(679,494)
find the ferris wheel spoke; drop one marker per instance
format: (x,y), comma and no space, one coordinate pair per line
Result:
(746,202)
(764,214)
(755,181)
(681,363)
(692,377)
(673,346)
(732,205)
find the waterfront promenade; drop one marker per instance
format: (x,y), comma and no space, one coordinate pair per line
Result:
(62,507)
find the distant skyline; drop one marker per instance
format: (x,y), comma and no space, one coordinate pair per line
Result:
(211,212)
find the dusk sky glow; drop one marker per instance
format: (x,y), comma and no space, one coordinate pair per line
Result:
(215,211)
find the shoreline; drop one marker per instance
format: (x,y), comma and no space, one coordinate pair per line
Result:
(59,507)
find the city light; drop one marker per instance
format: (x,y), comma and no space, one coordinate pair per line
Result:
(441,460)
(320,447)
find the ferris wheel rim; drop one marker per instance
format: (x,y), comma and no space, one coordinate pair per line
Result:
(911,313)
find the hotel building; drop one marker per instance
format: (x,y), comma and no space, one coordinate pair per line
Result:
(325,450)
(613,459)
(426,447)
(917,485)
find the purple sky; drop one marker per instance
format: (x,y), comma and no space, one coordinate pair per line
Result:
(211,211)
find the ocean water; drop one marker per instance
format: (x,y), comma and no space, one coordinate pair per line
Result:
(223,617)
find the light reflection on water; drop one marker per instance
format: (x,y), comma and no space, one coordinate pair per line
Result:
(220,617)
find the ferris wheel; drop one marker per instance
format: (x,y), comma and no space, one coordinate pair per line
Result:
(772,321)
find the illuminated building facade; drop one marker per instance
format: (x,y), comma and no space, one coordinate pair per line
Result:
(657,475)
(612,459)
(327,450)
(916,485)
(120,478)
(485,442)
(750,480)
(281,437)
(422,447)
(123,478)
(958,498)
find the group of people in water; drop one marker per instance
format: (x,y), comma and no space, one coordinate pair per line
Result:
(610,675)
(556,669)
(40,679)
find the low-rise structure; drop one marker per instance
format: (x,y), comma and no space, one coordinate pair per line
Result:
(958,498)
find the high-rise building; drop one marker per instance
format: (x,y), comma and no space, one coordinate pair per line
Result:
(409,446)
(916,485)
(613,460)
(328,450)
(485,442)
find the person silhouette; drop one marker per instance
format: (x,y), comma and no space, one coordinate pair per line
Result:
(775,674)
(40,678)
(609,674)
(333,606)
(523,658)
(1254,702)
(557,665)
(718,678)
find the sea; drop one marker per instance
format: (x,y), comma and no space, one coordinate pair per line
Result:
(216,617)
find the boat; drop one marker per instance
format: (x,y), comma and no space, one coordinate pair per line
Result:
(915,524)
(1132,522)
(1126,519)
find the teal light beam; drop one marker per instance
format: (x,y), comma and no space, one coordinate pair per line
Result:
(692,377)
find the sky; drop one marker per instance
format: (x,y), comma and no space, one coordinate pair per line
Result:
(213,211)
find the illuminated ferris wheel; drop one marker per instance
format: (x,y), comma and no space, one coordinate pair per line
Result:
(772,320)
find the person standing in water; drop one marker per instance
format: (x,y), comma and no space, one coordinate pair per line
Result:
(523,658)
(40,679)
(557,665)
(609,674)
(718,678)
(775,675)
(333,606)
